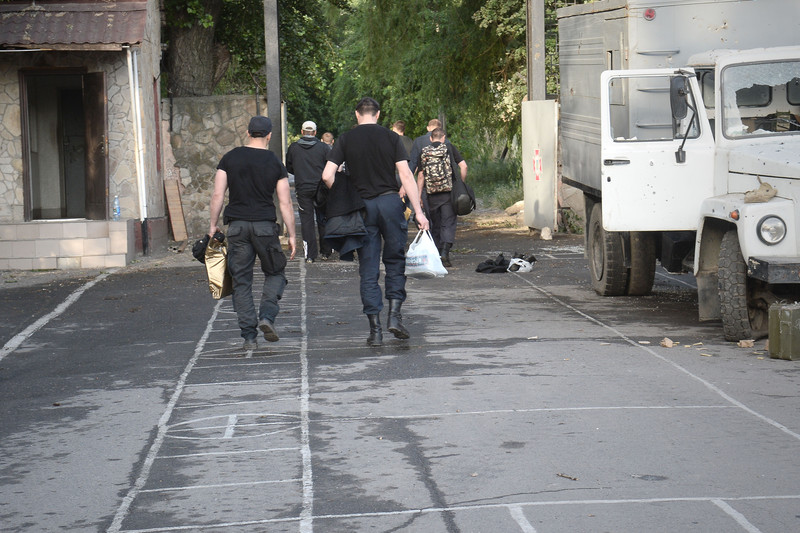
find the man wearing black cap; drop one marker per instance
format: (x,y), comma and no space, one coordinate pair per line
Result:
(305,159)
(373,154)
(252,174)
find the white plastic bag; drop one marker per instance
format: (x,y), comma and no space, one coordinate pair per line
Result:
(518,264)
(422,258)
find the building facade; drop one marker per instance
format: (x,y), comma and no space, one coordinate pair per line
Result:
(79,128)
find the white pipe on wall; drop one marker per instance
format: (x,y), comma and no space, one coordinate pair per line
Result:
(133,120)
(139,140)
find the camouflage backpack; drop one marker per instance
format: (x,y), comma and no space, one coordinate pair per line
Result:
(436,169)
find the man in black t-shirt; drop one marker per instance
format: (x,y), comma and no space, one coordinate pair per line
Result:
(372,155)
(252,174)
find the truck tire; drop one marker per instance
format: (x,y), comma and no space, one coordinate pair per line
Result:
(643,263)
(745,313)
(606,262)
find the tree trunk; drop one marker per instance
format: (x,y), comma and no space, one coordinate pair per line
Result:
(192,57)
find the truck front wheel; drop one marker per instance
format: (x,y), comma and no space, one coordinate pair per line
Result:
(606,261)
(744,302)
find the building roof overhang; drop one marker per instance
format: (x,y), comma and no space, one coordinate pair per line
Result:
(78,25)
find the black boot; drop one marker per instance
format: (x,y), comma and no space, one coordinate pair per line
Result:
(395,321)
(375,333)
(446,254)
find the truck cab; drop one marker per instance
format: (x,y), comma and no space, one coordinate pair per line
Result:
(701,170)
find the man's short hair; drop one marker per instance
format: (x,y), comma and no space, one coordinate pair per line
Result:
(437,134)
(327,137)
(400,126)
(368,106)
(434,123)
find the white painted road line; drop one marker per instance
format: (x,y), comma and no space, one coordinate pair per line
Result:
(457,508)
(17,340)
(710,386)
(676,280)
(519,518)
(736,515)
(307,512)
(127,501)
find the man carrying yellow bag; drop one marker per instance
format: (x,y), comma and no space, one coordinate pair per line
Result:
(252,174)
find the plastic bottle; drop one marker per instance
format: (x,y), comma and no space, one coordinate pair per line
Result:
(116,208)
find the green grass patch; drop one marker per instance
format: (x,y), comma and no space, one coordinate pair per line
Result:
(497,183)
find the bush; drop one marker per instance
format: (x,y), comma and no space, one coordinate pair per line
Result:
(497,182)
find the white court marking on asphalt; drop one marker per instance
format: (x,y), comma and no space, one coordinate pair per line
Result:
(127,501)
(221,485)
(675,365)
(226,429)
(240,402)
(672,277)
(519,517)
(456,508)
(17,340)
(736,515)
(307,511)
(228,453)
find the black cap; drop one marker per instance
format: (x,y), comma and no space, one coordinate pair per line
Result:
(259,126)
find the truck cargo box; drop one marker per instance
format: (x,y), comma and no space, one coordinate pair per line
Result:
(646,34)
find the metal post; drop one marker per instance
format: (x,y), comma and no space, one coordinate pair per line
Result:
(273,72)
(537,85)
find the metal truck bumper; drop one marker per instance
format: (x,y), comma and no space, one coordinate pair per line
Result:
(774,269)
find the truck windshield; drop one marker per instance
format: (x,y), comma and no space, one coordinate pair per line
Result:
(761,99)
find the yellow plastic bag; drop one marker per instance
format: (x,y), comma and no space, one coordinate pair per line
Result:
(219,279)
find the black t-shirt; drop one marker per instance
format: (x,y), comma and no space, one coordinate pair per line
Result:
(370,151)
(253,174)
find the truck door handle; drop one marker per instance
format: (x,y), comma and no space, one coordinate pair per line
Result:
(609,162)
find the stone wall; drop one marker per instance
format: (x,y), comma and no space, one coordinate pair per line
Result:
(197,132)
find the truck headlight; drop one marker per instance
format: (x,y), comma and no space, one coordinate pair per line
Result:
(771,229)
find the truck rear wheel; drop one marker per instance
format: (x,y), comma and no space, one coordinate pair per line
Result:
(606,263)
(643,263)
(744,302)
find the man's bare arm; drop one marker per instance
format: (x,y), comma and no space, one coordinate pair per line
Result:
(217,198)
(329,173)
(287,211)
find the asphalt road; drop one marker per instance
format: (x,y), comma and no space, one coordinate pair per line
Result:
(522,403)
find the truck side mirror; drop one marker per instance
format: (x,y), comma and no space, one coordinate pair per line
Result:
(677,97)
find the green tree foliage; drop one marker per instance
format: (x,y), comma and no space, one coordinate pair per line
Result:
(422,60)
(463,61)
(307,52)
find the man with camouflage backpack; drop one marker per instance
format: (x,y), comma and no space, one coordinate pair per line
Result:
(436,167)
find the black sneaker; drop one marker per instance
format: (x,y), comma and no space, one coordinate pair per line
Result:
(268,330)
(250,345)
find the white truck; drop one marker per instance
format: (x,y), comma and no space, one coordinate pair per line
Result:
(685,140)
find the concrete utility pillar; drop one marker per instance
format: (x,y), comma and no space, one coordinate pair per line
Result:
(273,72)
(537,86)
